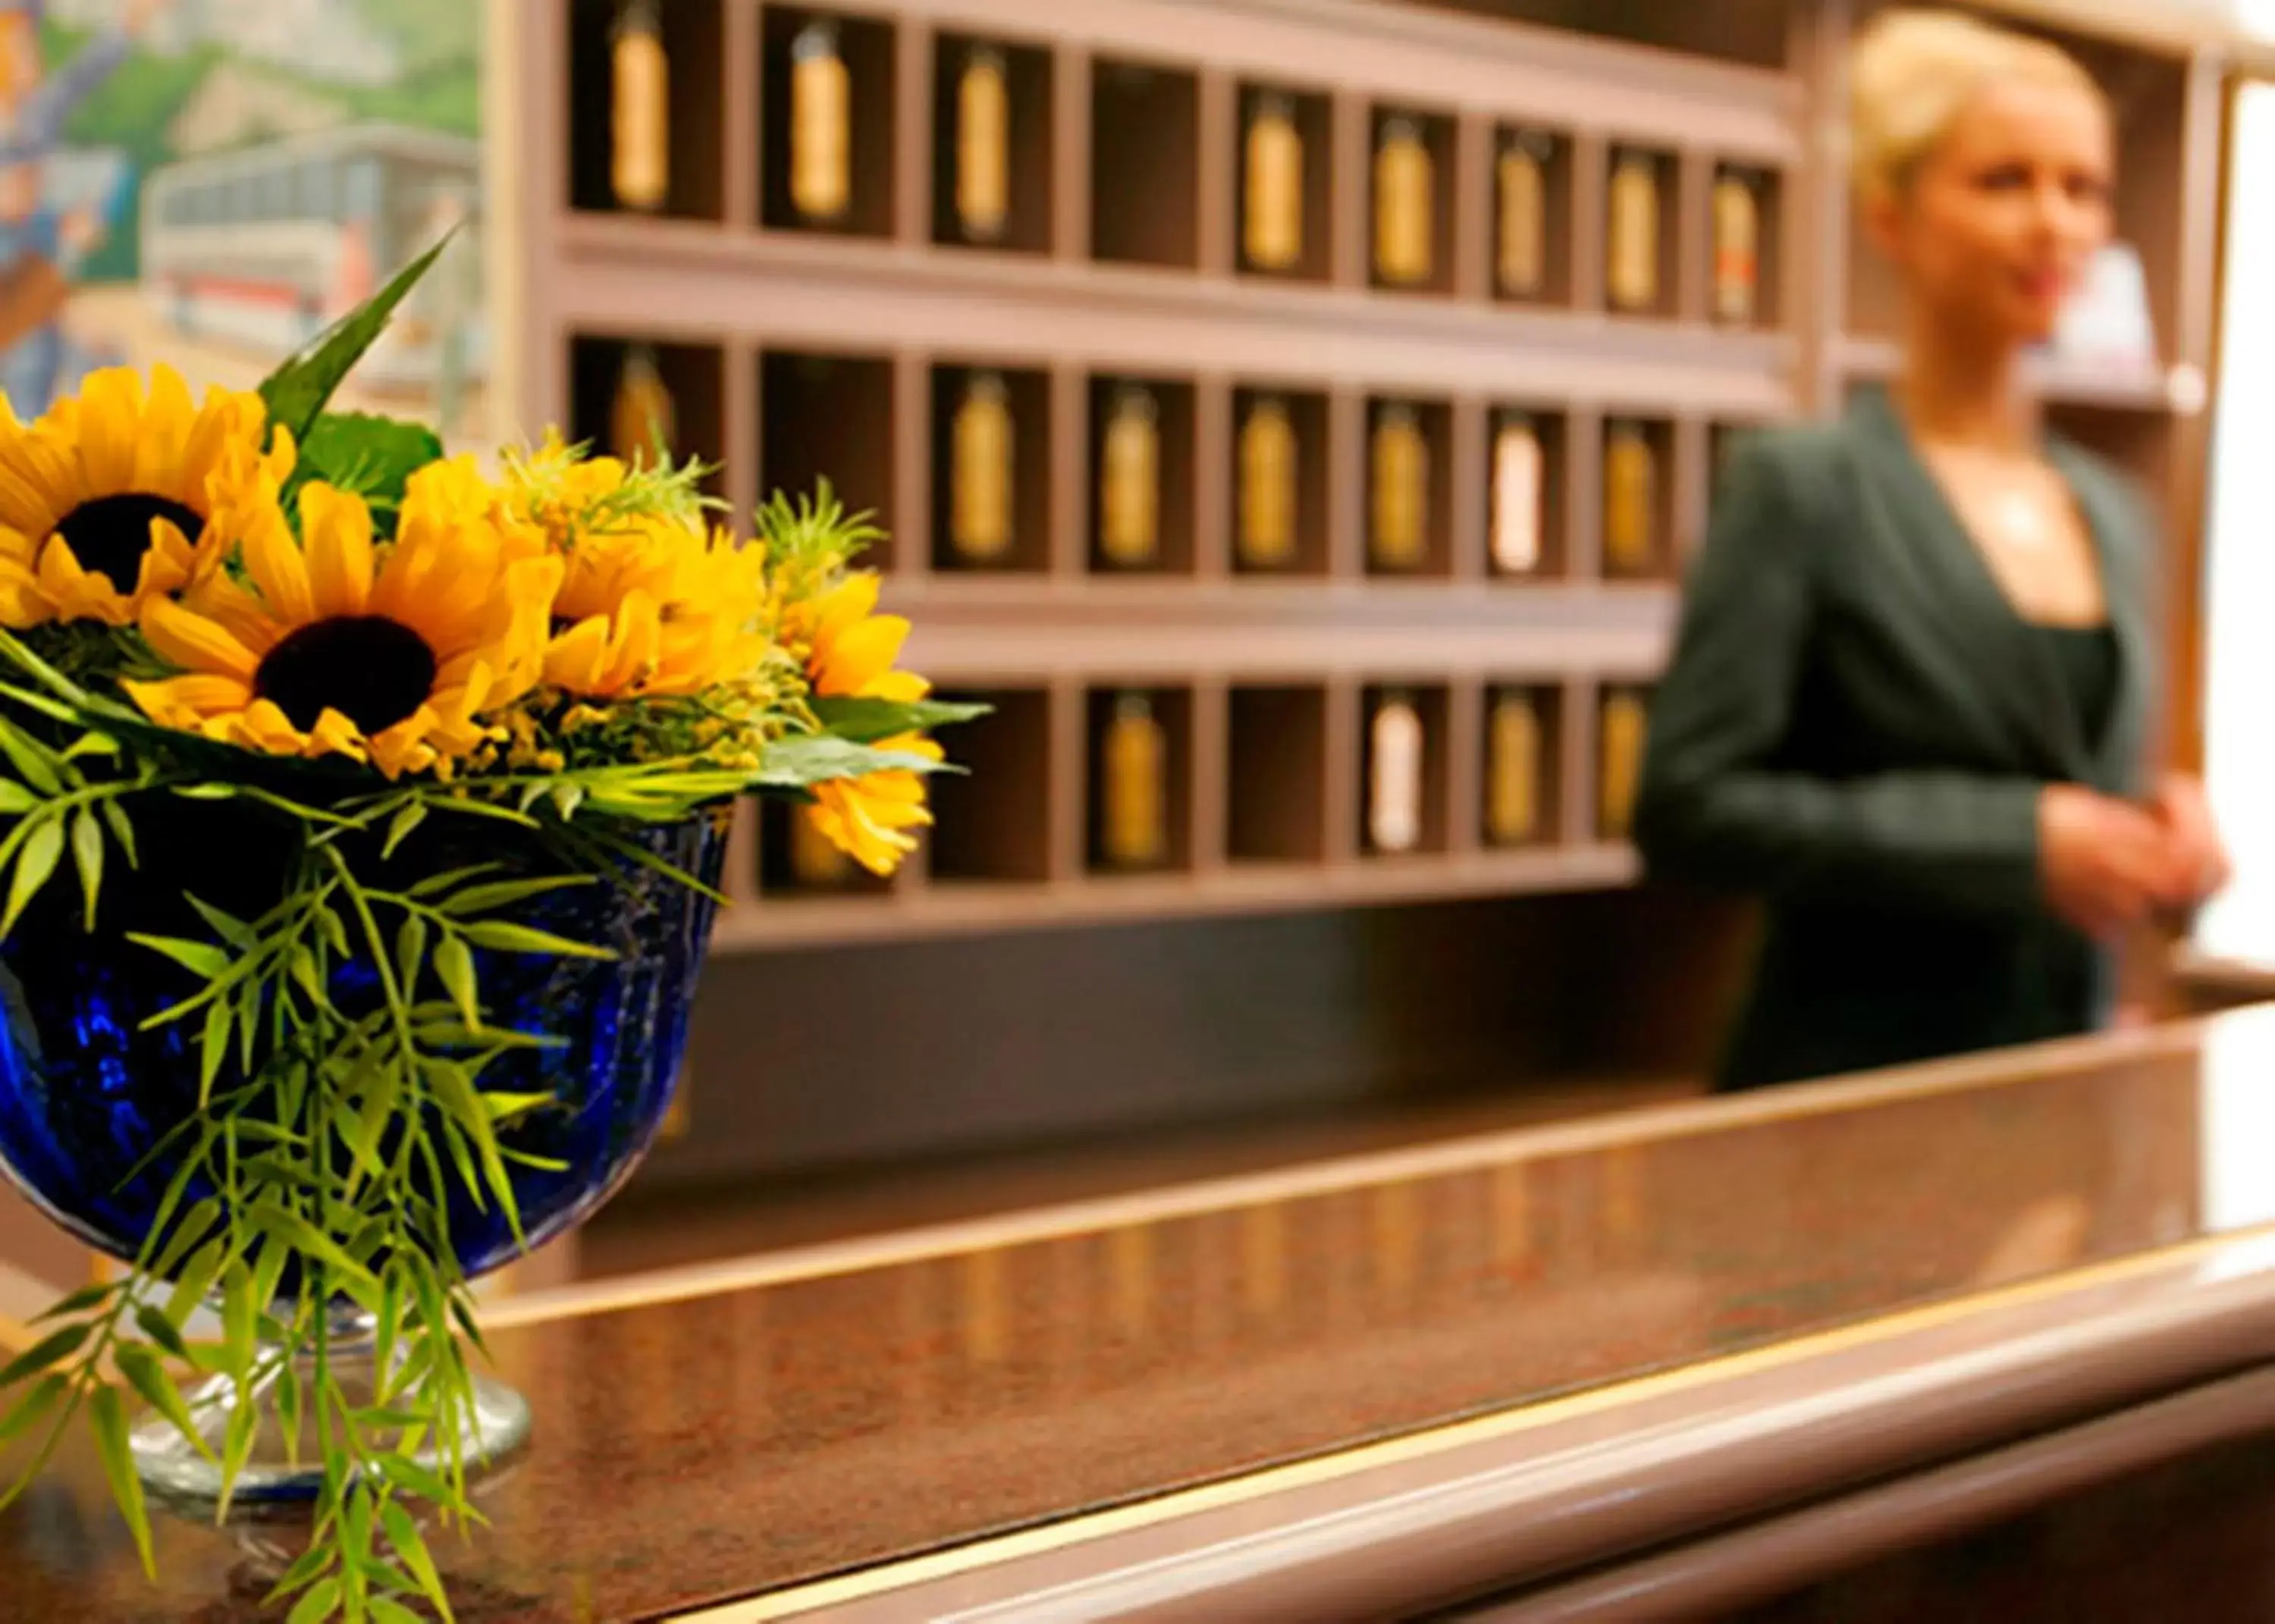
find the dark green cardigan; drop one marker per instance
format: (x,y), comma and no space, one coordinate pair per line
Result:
(1856,726)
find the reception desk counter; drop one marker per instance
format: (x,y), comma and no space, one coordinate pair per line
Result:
(1666,1363)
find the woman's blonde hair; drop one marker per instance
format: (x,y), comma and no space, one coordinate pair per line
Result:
(1912,73)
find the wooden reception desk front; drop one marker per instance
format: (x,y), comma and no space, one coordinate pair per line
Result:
(1673,1363)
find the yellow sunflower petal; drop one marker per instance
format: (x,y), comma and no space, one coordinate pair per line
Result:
(191,641)
(275,564)
(337,533)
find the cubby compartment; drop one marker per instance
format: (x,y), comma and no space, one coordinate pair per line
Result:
(1533,216)
(1410,476)
(1139,782)
(1526,453)
(1638,505)
(993,160)
(1144,154)
(1411,200)
(1285,183)
(991,821)
(646,94)
(1404,765)
(1522,755)
(627,395)
(1275,809)
(1622,729)
(796,861)
(1278,482)
(829,417)
(1745,234)
(828,108)
(1141,476)
(991,468)
(1643,253)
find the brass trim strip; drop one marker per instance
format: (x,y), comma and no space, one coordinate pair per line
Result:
(800,1600)
(1655,1124)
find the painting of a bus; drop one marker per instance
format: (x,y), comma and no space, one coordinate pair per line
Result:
(260,247)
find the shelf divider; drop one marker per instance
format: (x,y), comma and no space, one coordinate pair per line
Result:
(1465,772)
(742,430)
(1351,164)
(1213,431)
(1591,177)
(1694,236)
(912,132)
(1344,760)
(1071,181)
(743,45)
(1212,772)
(1470,480)
(1694,486)
(1474,219)
(1346,484)
(1070,472)
(1583,493)
(1217,153)
(1067,771)
(1582,699)
(910,516)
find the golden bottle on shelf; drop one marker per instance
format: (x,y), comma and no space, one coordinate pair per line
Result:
(1625,716)
(1267,538)
(1513,770)
(1272,225)
(1634,235)
(639,108)
(1517,484)
(1737,249)
(1405,202)
(820,124)
(1631,500)
(1130,481)
(643,420)
(1398,536)
(983,146)
(1134,826)
(1393,798)
(980,472)
(1521,243)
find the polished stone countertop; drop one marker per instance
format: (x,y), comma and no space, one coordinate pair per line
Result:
(726,1434)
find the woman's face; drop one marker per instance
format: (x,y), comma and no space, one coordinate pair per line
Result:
(2003,216)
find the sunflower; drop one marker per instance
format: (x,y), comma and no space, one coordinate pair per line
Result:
(105,502)
(849,650)
(655,606)
(391,655)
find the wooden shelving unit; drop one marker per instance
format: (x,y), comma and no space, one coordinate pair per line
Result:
(795,348)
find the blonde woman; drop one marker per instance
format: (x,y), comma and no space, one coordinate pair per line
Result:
(1912,698)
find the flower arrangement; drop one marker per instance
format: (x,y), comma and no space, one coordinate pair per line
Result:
(339,736)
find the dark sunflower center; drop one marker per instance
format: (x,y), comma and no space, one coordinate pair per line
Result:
(109,534)
(371,670)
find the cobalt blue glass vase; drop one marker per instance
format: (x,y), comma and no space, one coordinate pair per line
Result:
(87,1092)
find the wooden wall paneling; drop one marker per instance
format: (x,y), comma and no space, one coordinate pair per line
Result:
(1470,481)
(1213,441)
(741,114)
(1217,182)
(1592,173)
(1465,772)
(914,133)
(1210,774)
(1070,178)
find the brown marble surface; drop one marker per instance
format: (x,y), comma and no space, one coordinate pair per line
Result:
(728,1444)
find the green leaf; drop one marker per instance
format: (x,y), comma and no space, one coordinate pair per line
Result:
(297,391)
(197,1278)
(37,1404)
(87,856)
(373,456)
(229,928)
(386,1610)
(241,1312)
(434,883)
(410,952)
(108,1415)
(799,763)
(141,1370)
(484,898)
(400,830)
(34,762)
(161,1332)
(122,829)
(503,1107)
(303,967)
(456,966)
(50,1349)
(236,1449)
(290,1229)
(35,865)
(85,1298)
(415,1480)
(212,1048)
(200,958)
(566,799)
(403,1534)
(864,721)
(500,937)
(317,1603)
(15,798)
